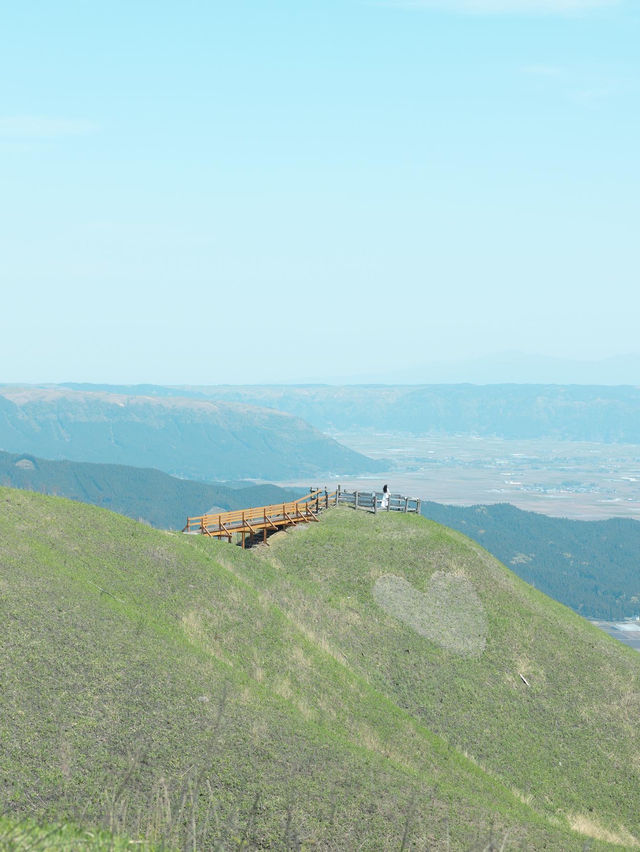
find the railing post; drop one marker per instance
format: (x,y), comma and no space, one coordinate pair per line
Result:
(355,502)
(375,502)
(326,498)
(406,504)
(338,495)
(418,505)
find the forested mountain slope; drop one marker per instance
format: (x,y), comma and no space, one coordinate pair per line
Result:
(358,683)
(143,494)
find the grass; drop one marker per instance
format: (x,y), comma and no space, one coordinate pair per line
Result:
(567,743)
(25,835)
(189,694)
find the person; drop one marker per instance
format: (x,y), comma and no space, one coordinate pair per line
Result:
(385,497)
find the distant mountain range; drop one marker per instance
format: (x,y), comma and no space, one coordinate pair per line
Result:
(193,438)
(565,412)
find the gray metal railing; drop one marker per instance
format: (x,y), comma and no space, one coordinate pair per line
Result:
(373,501)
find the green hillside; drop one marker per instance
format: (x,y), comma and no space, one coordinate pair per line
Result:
(27,835)
(356,684)
(143,494)
(567,742)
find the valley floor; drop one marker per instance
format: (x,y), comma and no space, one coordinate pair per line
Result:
(624,631)
(580,480)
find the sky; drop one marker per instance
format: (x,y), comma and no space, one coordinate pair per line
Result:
(316,190)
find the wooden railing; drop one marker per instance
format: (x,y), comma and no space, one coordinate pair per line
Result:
(262,519)
(251,525)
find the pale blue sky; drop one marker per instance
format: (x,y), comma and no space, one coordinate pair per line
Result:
(297,190)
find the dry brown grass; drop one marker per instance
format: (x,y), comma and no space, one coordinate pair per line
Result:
(588,826)
(194,630)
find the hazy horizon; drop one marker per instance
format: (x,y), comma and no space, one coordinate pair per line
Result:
(498,368)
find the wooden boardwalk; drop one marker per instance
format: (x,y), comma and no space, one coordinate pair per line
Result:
(251,526)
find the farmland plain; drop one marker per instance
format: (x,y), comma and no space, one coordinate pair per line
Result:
(581,480)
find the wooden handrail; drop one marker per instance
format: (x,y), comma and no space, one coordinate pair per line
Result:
(236,515)
(261,518)
(304,509)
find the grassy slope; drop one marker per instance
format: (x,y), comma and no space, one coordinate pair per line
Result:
(568,743)
(175,687)
(25,835)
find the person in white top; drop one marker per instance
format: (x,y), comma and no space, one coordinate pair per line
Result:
(385,497)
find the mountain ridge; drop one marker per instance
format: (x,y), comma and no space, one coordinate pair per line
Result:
(195,439)
(604,413)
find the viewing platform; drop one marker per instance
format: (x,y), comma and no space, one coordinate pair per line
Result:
(250,526)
